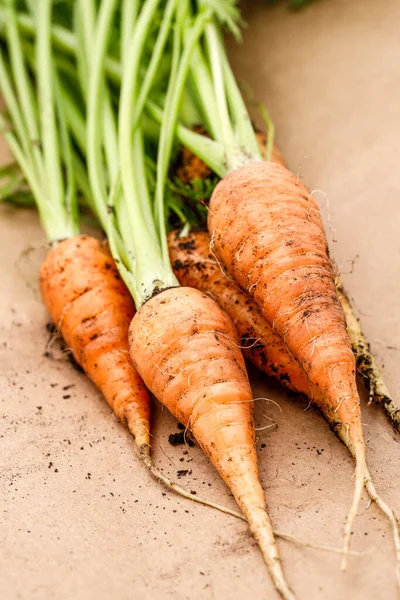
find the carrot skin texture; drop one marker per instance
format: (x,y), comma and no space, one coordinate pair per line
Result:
(195,266)
(92,308)
(187,351)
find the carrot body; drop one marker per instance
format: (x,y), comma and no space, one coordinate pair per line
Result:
(92,308)
(187,351)
(267,229)
(195,266)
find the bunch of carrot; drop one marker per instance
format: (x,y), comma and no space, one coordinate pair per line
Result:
(83,79)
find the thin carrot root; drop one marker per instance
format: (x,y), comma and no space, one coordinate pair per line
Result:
(167,482)
(341,433)
(369,484)
(358,491)
(297,542)
(366,363)
(187,351)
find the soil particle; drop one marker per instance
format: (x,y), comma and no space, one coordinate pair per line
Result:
(178,439)
(183,472)
(51,328)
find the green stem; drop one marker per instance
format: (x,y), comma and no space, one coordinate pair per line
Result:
(67,155)
(154,62)
(63,39)
(228,137)
(202,83)
(152,273)
(22,84)
(211,152)
(139,167)
(129,12)
(270,131)
(13,106)
(95,109)
(127,107)
(174,95)
(243,125)
(46,101)
(39,161)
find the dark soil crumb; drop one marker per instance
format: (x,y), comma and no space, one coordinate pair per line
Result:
(51,328)
(68,387)
(183,472)
(178,439)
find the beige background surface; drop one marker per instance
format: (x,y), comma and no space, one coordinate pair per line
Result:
(79,516)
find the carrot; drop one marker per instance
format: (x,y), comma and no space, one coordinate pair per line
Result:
(92,308)
(187,351)
(268,231)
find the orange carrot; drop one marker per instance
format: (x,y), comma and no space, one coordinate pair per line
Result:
(187,351)
(266,227)
(92,308)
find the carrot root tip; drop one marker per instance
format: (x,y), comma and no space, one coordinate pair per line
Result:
(361,468)
(374,496)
